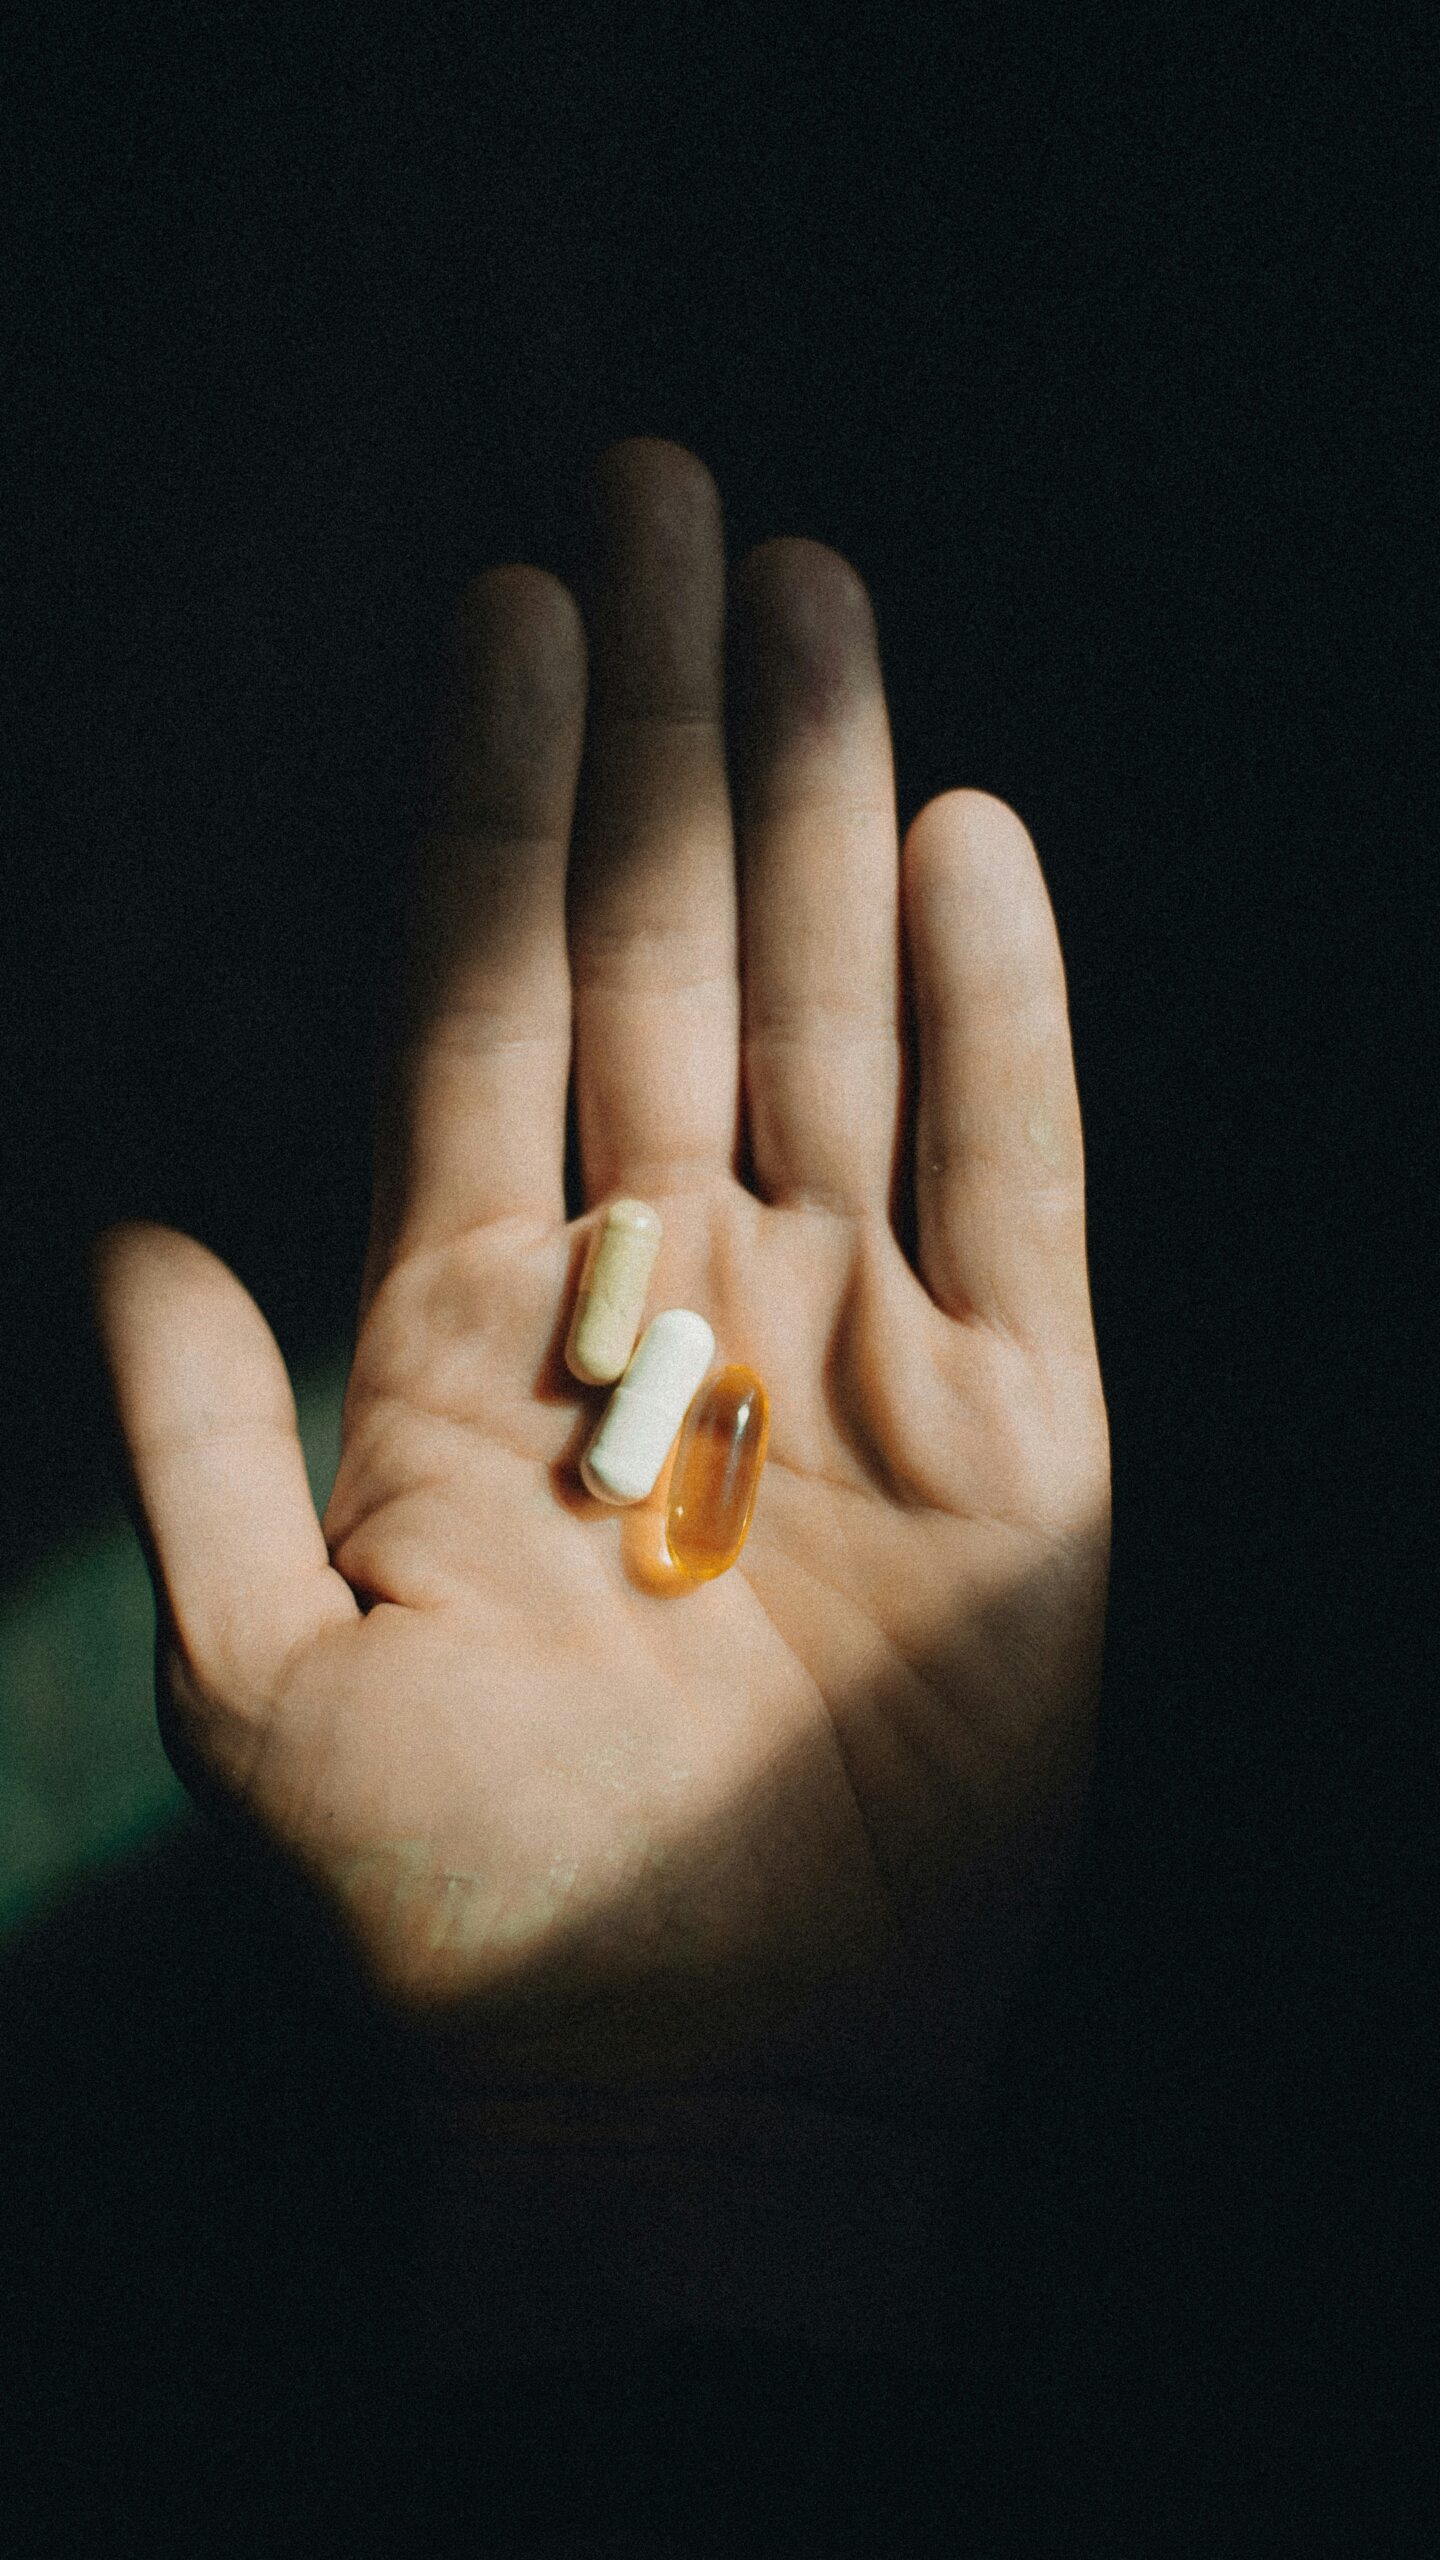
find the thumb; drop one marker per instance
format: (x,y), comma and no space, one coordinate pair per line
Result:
(217,1476)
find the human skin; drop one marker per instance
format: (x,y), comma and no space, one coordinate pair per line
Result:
(576,1822)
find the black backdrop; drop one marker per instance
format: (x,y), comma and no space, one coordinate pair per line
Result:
(1099,346)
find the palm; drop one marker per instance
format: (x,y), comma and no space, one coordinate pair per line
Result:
(608,1824)
(595,1777)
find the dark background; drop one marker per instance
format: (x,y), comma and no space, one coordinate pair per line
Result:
(1099,346)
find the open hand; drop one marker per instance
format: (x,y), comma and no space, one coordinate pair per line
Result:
(580,1820)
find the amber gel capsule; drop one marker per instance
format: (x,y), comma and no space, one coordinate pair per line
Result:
(611,1298)
(716,1474)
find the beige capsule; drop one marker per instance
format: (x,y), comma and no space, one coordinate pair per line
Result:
(611,1300)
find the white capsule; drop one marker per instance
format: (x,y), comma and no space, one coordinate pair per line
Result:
(642,1419)
(618,1264)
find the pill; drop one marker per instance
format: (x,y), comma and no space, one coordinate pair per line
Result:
(716,1475)
(611,1301)
(645,1411)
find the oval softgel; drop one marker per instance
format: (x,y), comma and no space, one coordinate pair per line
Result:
(611,1298)
(716,1475)
(638,1426)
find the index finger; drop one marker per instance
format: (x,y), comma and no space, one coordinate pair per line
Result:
(472,1123)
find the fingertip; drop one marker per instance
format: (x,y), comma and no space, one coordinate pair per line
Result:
(660,469)
(972,827)
(184,1341)
(972,873)
(801,577)
(530,602)
(515,662)
(805,642)
(131,1246)
(132,1252)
